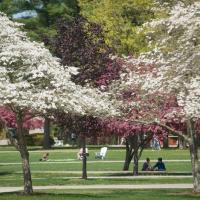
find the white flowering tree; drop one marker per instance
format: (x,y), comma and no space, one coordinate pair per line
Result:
(32,80)
(175,44)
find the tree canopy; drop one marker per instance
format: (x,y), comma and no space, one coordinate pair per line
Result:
(31,77)
(80,43)
(169,72)
(33,81)
(176,57)
(40,16)
(120,21)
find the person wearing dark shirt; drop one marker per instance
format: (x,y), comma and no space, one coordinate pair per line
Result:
(159,166)
(147,165)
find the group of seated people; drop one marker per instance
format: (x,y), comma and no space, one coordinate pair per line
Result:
(159,166)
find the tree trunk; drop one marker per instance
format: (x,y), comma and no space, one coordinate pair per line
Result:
(181,143)
(128,157)
(46,142)
(84,168)
(134,148)
(135,164)
(135,145)
(165,143)
(194,155)
(28,189)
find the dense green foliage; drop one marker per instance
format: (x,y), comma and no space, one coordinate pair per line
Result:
(48,11)
(120,21)
(37,140)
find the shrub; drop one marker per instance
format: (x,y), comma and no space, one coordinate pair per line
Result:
(37,139)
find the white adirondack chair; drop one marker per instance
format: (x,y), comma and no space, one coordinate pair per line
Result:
(57,142)
(102,153)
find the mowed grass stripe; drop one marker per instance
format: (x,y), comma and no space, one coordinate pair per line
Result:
(95,166)
(52,180)
(106,194)
(116,155)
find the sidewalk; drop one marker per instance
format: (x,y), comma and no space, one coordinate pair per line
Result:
(118,173)
(75,161)
(78,187)
(114,177)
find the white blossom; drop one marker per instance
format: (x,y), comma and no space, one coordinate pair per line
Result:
(176,55)
(30,77)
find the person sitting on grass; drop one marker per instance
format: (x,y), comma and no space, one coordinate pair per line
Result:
(45,157)
(80,153)
(147,165)
(159,166)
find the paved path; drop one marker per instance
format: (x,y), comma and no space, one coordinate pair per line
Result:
(128,177)
(113,172)
(74,187)
(74,161)
(110,177)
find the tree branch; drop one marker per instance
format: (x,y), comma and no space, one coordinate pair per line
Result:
(171,130)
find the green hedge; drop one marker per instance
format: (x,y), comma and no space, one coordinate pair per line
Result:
(37,139)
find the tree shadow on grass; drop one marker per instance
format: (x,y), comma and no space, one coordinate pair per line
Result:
(5,173)
(59,195)
(119,174)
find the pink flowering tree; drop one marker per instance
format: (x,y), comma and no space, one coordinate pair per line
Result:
(8,118)
(175,73)
(136,136)
(135,107)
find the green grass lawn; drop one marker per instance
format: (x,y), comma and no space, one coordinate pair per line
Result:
(106,194)
(55,173)
(112,154)
(17,180)
(11,173)
(65,160)
(96,166)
